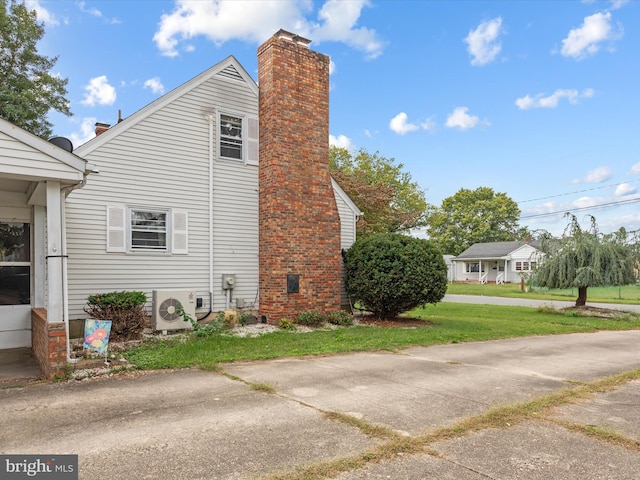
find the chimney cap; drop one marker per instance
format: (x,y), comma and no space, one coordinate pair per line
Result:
(292,37)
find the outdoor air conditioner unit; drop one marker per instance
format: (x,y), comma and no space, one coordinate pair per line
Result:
(165,311)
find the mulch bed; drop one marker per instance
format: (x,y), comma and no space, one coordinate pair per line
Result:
(399,322)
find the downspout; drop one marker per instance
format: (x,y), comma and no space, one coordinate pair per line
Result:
(65,290)
(211,119)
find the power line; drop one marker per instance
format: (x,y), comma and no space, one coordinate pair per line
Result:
(577,191)
(609,204)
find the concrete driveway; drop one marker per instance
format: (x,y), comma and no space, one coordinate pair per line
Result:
(192,424)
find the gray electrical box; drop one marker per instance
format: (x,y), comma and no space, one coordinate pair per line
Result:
(228,281)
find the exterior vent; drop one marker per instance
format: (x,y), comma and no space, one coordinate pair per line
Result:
(165,309)
(232,73)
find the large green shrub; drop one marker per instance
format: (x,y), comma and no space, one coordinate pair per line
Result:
(393,273)
(124,309)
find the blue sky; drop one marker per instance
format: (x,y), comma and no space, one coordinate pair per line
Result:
(537,99)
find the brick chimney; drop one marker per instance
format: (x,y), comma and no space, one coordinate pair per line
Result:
(300,255)
(101,128)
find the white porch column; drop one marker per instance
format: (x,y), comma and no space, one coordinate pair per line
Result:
(480,271)
(54,253)
(506,274)
(39,261)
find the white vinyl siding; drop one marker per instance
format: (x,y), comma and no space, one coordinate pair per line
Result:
(347,232)
(24,160)
(162,161)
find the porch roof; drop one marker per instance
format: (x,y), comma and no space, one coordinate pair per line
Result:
(27,160)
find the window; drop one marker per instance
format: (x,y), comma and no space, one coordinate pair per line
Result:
(473,267)
(525,266)
(230,137)
(238,138)
(15,263)
(138,229)
(148,230)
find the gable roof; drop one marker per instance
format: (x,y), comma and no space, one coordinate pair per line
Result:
(228,69)
(336,188)
(32,159)
(492,250)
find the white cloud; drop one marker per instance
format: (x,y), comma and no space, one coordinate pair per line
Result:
(341,141)
(635,170)
(539,101)
(98,91)
(401,126)
(585,41)
(91,11)
(598,175)
(155,85)
(42,13)
(615,4)
(625,189)
(459,118)
(584,202)
(87,132)
(338,24)
(332,67)
(250,21)
(483,43)
(429,124)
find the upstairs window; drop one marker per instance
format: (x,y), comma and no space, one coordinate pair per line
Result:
(230,137)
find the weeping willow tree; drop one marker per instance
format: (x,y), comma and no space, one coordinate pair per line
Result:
(586,258)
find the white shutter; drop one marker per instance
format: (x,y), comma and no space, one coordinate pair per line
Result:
(179,232)
(116,229)
(253,132)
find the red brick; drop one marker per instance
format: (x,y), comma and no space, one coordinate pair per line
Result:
(299,221)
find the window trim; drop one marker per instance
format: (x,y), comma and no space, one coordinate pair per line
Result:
(130,230)
(221,136)
(119,230)
(250,131)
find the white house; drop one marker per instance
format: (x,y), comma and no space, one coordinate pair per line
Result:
(171,205)
(36,177)
(175,203)
(496,262)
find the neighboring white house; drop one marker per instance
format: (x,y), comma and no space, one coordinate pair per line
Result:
(35,178)
(175,203)
(496,262)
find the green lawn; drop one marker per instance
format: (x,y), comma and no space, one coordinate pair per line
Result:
(445,323)
(629,294)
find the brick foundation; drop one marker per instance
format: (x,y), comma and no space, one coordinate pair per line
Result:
(299,221)
(49,343)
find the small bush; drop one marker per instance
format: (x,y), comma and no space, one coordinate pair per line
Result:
(392,273)
(244,318)
(311,319)
(230,318)
(287,324)
(214,326)
(340,318)
(124,309)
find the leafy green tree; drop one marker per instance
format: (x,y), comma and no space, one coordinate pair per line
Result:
(472,216)
(587,258)
(28,89)
(389,199)
(392,273)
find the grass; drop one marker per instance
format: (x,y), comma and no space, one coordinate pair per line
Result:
(628,294)
(446,323)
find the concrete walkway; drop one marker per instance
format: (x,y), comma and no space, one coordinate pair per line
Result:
(192,424)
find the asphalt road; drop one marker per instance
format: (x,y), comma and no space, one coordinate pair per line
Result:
(526,302)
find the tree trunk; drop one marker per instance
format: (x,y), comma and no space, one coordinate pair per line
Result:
(581,301)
